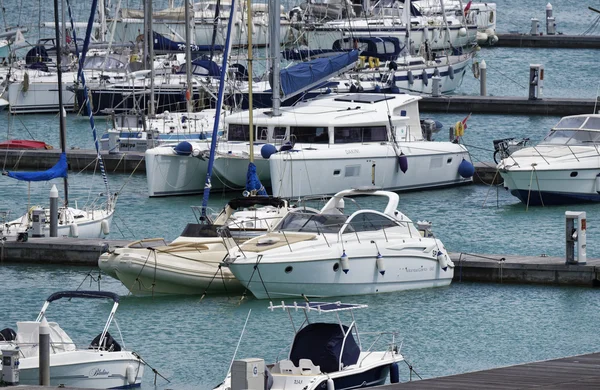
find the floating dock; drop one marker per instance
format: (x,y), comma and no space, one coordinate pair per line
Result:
(77,159)
(549,41)
(576,372)
(468,267)
(507,105)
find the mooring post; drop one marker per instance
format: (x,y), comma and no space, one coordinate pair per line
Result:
(483,78)
(53,211)
(44,353)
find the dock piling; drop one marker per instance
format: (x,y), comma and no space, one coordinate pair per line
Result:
(44,353)
(483,78)
(550,21)
(53,211)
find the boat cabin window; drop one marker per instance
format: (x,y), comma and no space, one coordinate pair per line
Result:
(279,133)
(571,137)
(262,133)
(344,135)
(571,123)
(310,135)
(312,223)
(237,132)
(104,63)
(368,221)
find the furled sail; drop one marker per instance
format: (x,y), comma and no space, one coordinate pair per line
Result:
(164,44)
(307,75)
(58,170)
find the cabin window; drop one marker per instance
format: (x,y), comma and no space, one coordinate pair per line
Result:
(371,221)
(352,170)
(310,135)
(262,133)
(312,223)
(279,132)
(237,132)
(344,135)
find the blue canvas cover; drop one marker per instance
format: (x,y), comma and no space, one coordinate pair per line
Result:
(322,344)
(58,170)
(162,43)
(201,67)
(306,75)
(253,182)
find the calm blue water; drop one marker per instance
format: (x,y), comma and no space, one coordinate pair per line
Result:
(464,327)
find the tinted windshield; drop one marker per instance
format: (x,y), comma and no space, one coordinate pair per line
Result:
(312,223)
(571,137)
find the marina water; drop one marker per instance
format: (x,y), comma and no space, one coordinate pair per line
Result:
(465,327)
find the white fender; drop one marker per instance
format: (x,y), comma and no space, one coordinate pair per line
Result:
(74,230)
(105,227)
(345,262)
(131,374)
(330,384)
(380,264)
(444,260)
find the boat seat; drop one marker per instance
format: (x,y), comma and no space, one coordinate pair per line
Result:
(308,368)
(286,367)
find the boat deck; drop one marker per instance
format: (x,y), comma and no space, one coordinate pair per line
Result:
(576,372)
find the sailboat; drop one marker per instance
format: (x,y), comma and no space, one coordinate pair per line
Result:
(92,222)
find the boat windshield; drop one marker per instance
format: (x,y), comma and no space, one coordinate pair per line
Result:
(312,223)
(103,63)
(576,130)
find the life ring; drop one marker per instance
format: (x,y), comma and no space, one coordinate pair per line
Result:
(459,129)
(373,62)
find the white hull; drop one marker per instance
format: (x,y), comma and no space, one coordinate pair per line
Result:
(233,168)
(99,370)
(168,173)
(430,165)
(39,96)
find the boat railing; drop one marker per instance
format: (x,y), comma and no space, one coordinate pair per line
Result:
(145,241)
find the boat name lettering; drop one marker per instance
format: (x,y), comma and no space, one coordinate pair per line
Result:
(422,269)
(98,372)
(298,381)
(127,145)
(352,151)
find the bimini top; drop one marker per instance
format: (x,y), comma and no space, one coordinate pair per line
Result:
(320,307)
(83,294)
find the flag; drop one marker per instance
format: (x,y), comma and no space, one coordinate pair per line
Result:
(464,121)
(468,7)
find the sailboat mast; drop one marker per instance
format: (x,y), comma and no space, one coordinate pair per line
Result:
(275,47)
(250,59)
(188,57)
(151,108)
(61,113)
(407,13)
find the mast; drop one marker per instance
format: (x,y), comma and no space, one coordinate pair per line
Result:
(250,59)
(150,56)
(274,48)
(408,26)
(213,141)
(61,113)
(188,57)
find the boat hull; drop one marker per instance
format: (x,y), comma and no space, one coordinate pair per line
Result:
(85,369)
(39,96)
(324,278)
(552,187)
(329,171)
(234,168)
(185,273)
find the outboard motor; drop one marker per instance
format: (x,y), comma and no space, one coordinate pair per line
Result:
(8,334)
(428,127)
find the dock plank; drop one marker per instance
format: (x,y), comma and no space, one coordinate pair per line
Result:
(575,372)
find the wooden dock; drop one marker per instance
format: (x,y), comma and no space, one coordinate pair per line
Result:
(524,270)
(507,105)
(576,372)
(560,41)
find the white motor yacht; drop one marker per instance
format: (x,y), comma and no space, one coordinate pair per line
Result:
(563,168)
(102,365)
(322,355)
(335,254)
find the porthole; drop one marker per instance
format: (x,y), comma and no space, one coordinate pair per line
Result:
(289,269)
(574,174)
(336,267)
(336,172)
(449,161)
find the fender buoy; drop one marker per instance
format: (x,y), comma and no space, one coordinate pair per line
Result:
(459,129)
(373,62)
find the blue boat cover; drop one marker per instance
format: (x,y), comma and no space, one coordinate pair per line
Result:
(162,43)
(253,182)
(58,170)
(384,48)
(307,75)
(322,343)
(83,294)
(203,67)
